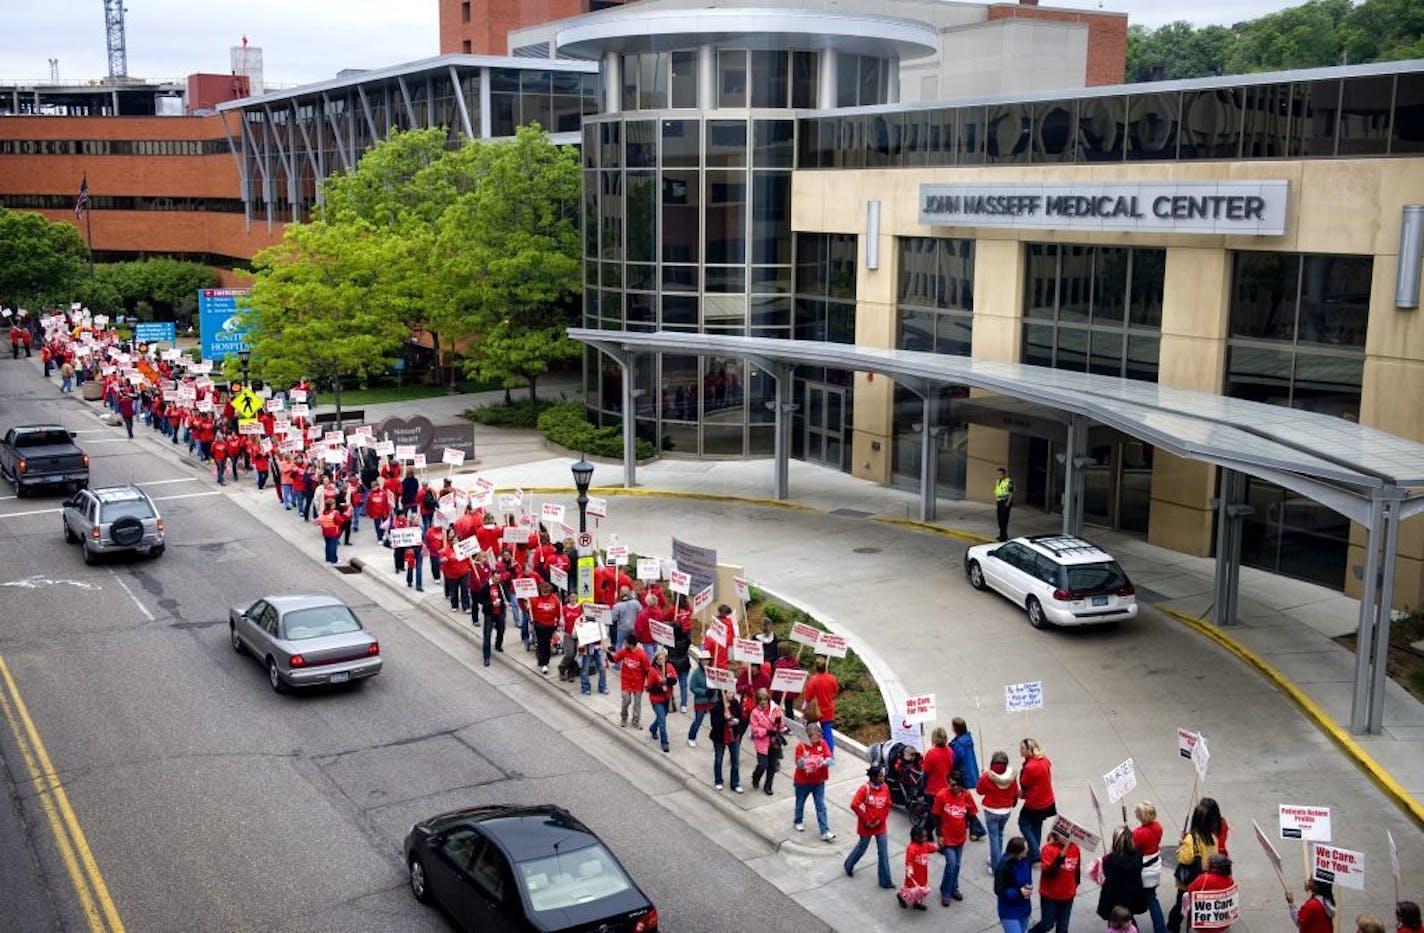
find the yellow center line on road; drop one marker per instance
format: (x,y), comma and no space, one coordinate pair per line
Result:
(98,907)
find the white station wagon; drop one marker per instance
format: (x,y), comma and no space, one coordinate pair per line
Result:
(1057,579)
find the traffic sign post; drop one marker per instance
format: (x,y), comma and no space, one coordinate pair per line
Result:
(247,404)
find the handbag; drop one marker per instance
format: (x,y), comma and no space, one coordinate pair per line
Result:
(1186,872)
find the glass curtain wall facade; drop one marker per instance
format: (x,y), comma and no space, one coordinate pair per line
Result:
(687,227)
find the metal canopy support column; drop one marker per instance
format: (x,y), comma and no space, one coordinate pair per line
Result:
(1231,509)
(785,408)
(929,454)
(460,101)
(1075,458)
(1376,596)
(629,361)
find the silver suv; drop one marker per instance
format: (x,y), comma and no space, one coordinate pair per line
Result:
(113,518)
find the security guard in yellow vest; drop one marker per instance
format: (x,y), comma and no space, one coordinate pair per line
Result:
(1003,501)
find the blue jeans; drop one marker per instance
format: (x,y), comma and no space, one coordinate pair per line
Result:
(1013,925)
(949,881)
(828,732)
(682,679)
(594,657)
(1031,828)
(658,729)
(882,858)
(1154,910)
(995,823)
(697,717)
(817,793)
(417,569)
(1055,916)
(331,544)
(736,755)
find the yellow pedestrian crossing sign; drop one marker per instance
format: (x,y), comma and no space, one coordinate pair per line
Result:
(247,404)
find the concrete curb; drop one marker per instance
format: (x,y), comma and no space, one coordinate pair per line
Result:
(669,494)
(1333,731)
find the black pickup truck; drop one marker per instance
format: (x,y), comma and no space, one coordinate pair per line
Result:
(42,455)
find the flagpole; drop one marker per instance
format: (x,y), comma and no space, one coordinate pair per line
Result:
(89,235)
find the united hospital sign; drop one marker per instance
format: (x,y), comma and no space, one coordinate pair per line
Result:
(1247,208)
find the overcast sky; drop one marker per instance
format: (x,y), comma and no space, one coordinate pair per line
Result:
(309,40)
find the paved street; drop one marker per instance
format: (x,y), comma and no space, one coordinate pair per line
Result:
(211,803)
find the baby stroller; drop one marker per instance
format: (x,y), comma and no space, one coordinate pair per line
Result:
(906,780)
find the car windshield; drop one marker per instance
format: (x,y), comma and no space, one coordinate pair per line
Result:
(41,438)
(1091,578)
(568,879)
(319,621)
(126,508)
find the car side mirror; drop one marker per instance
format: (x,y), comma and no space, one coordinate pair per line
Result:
(73,435)
(71,503)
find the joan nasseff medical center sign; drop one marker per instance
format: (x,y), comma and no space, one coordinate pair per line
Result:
(1251,208)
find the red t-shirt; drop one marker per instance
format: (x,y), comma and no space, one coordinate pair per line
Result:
(917,863)
(545,610)
(953,811)
(871,806)
(633,673)
(823,689)
(1036,781)
(811,762)
(1060,883)
(219,450)
(1148,838)
(996,797)
(939,763)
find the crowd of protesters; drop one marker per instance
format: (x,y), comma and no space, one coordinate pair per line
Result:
(506,571)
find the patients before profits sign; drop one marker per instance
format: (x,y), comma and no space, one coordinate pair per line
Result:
(1242,208)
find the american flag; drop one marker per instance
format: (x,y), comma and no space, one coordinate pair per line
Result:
(82,205)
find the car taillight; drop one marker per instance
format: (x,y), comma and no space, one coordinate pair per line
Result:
(1064,596)
(647,923)
(94,532)
(1126,590)
(375,648)
(22,466)
(85,458)
(160,526)
(297,661)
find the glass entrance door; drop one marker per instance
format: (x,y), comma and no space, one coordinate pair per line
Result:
(825,425)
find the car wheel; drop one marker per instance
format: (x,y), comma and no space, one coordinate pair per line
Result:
(1036,618)
(274,676)
(236,639)
(69,536)
(418,886)
(90,557)
(976,575)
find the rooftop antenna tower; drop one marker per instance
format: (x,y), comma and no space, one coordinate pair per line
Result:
(114,33)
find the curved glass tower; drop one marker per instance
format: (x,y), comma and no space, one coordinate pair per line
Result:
(687,191)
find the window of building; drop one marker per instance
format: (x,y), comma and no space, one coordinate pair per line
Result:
(1093,308)
(731,78)
(684,80)
(936,295)
(465,16)
(824,308)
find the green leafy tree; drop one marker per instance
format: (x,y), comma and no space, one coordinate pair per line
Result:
(1302,36)
(512,246)
(160,288)
(41,261)
(318,307)
(1384,30)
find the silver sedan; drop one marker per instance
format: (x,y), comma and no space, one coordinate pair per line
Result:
(305,639)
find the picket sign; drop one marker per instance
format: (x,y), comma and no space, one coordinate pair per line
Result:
(804,634)
(482,485)
(588,633)
(716,631)
(566,531)
(617,554)
(1097,810)
(662,633)
(833,646)
(1186,741)
(597,507)
(744,592)
(551,513)
(418,461)
(703,599)
(1076,833)
(404,451)
(453,456)
(720,679)
(467,547)
(525,588)
(1201,756)
(385,448)
(1272,856)
(513,534)
(1214,910)
(1022,697)
(405,537)
(508,503)
(559,577)
(1340,867)
(920,709)
(601,614)
(789,680)
(1121,780)
(679,582)
(1304,822)
(748,650)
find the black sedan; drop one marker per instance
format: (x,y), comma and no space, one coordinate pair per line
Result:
(523,868)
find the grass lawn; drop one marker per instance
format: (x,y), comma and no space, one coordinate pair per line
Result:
(392,393)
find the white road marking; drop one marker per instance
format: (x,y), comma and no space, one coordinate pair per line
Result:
(141,607)
(31,512)
(189,495)
(161,482)
(110,440)
(39,580)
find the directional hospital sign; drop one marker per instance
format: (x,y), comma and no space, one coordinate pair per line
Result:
(218,318)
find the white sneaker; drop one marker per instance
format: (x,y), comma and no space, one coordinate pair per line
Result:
(737,789)
(716,786)
(800,827)
(691,743)
(828,837)
(544,669)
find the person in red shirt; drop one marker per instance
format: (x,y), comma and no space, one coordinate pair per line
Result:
(662,677)
(1317,914)
(456,571)
(546,611)
(999,789)
(939,762)
(1036,783)
(632,678)
(434,538)
(490,536)
(1147,837)
(219,452)
(569,668)
(378,510)
(954,806)
(1406,916)
(1217,877)
(813,761)
(871,806)
(607,582)
(330,523)
(917,870)
(1058,883)
(642,627)
(788,661)
(822,687)
(718,650)
(260,463)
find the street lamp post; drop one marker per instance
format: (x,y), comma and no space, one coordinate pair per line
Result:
(244,357)
(583,475)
